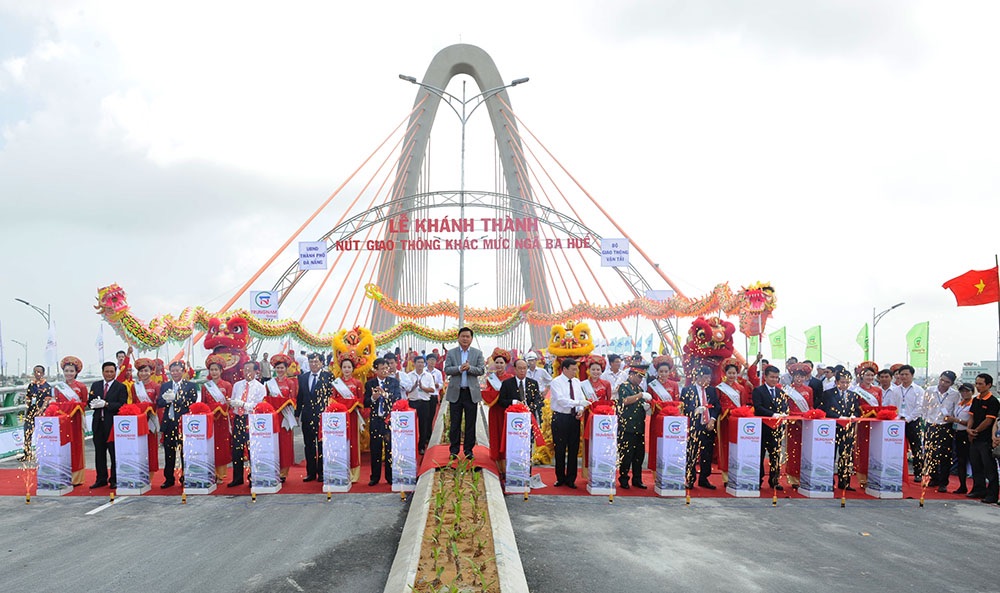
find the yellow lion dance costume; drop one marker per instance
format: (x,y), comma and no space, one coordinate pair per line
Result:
(571,340)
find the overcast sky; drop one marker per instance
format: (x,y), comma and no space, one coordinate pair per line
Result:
(845,151)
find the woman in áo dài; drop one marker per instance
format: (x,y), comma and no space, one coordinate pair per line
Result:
(282,393)
(143,394)
(491,393)
(800,401)
(71,397)
(348,390)
(216,393)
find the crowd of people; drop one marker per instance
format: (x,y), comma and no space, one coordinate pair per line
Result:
(948,427)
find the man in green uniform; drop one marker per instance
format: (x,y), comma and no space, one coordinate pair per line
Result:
(632,408)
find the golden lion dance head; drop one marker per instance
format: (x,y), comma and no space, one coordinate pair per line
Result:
(571,339)
(356,345)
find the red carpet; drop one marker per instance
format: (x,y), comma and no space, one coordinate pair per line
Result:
(910,489)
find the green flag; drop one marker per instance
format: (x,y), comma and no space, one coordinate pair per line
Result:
(916,344)
(814,343)
(777,338)
(862,339)
(753,346)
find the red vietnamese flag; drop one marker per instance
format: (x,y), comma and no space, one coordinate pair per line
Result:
(975,287)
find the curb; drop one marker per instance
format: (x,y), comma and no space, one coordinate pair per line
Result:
(403,572)
(509,568)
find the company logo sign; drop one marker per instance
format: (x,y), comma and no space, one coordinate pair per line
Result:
(749,429)
(263,300)
(402,421)
(48,427)
(674,427)
(194,426)
(823,430)
(517,424)
(260,423)
(604,425)
(893,430)
(333,422)
(125,425)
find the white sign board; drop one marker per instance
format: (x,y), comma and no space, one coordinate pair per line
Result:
(131,455)
(744,457)
(264,470)
(614,253)
(312,255)
(518,452)
(404,450)
(603,454)
(264,304)
(336,453)
(671,457)
(199,454)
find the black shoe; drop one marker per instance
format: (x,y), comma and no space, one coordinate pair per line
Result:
(113,485)
(453,457)
(558,484)
(167,484)
(639,485)
(989,500)
(850,489)
(96,485)
(973,494)
(706,484)
(469,456)
(961,490)
(778,487)
(942,488)
(373,481)
(319,478)
(236,482)
(308,478)
(624,484)
(573,486)
(933,484)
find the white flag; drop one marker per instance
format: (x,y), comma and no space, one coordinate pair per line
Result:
(100,343)
(51,350)
(3,361)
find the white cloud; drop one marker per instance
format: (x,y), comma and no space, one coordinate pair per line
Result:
(841,151)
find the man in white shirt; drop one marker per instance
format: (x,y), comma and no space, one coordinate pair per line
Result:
(567,401)
(940,436)
(302,360)
(786,377)
(247,393)
(420,388)
(538,373)
(909,401)
(615,374)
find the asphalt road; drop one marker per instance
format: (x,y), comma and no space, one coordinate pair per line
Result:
(215,543)
(572,544)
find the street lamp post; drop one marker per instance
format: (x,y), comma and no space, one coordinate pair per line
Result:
(876,319)
(46,313)
(25,346)
(463,117)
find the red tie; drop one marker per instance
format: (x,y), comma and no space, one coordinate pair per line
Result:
(106,389)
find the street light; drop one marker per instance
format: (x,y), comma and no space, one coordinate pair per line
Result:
(25,346)
(45,313)
(876,319)
(463,116)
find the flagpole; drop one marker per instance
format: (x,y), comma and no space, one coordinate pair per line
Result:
(996,261)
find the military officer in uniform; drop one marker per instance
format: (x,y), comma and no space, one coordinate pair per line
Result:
(632,409)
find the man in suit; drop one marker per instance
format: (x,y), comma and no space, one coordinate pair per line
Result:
(175,397)
(770,400)
(701,406)
(516,388)
(315,388)
(840,402)
(381,393)
(106,397)
(463,366)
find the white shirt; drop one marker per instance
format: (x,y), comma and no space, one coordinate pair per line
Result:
(908,400)
(252,396)
(785,379)
(542,377)
(616,379)
(302,361)
(937,405)
(414,381)
(962,411)
(438,378)
(559,395)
